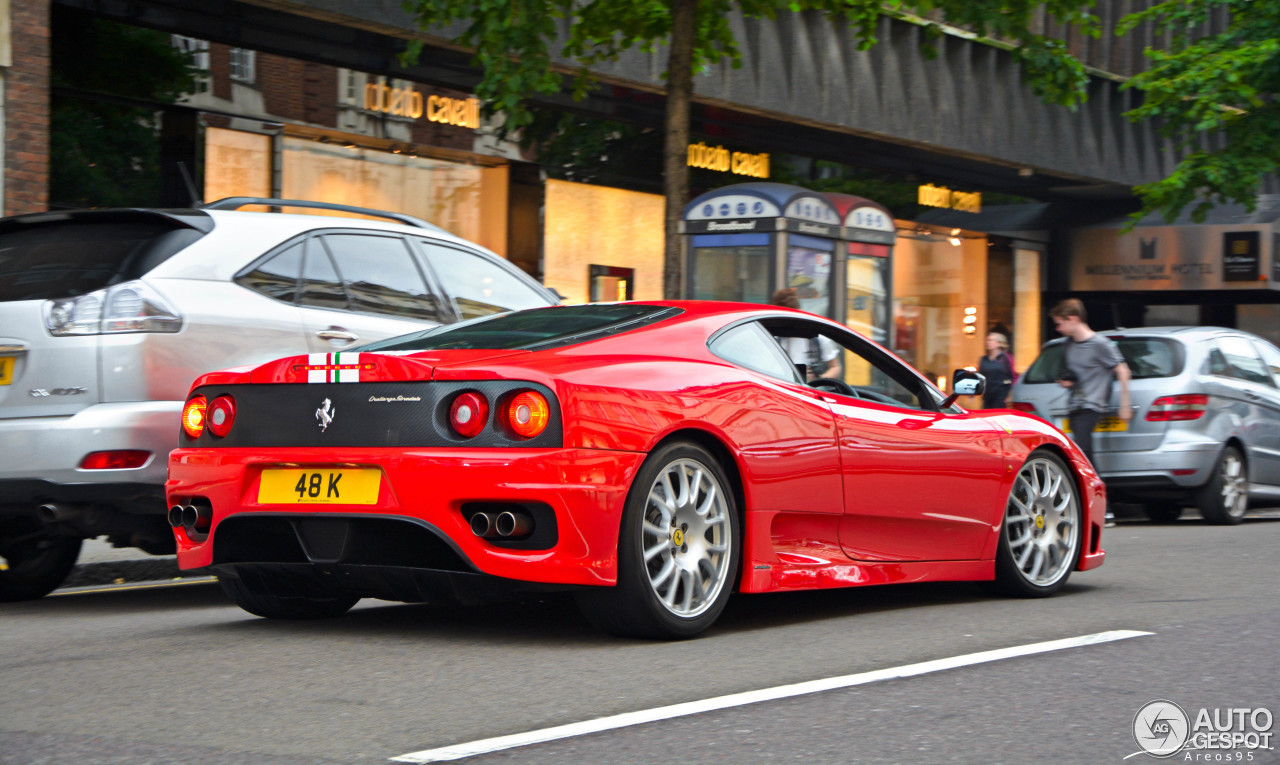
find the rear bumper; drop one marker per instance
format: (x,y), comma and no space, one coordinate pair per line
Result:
(42,454)
(1176,467)
(422,491)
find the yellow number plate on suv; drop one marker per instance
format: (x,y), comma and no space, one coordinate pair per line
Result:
(1105,425)
(325,486)
(6,370)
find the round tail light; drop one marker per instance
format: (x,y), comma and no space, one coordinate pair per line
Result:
(193,416)
(468,414)
(528,413)
(221,414)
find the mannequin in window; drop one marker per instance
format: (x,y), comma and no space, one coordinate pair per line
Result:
(819,355)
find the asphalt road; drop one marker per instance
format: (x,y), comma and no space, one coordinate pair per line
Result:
(176,674)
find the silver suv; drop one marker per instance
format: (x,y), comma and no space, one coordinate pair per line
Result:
(1206,423)
(106,316)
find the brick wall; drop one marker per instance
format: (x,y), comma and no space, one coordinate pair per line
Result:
(26,93)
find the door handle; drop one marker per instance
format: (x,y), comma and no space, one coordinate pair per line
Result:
(337,334)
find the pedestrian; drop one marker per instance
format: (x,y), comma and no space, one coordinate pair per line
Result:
(820,356)
(998,367)
(1090,361)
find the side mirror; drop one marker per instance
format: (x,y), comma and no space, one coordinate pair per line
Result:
(965,382)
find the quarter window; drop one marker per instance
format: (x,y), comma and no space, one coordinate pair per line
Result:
(1271,357)
(1235,357)
(750,346)
(277,277)
(380,276)
(479,286)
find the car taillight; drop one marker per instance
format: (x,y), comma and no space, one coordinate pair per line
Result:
(528,413)
(468,414)
(1023,406)
(128,307)
(221,414)
(1188,406)
(193,416)
(119,459)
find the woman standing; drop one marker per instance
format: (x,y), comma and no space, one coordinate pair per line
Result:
(998,367)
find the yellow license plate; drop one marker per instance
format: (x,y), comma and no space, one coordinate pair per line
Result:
(1105,425)
(6,370)
(319,486)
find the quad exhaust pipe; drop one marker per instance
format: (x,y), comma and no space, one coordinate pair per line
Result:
(504,525)
(194,518)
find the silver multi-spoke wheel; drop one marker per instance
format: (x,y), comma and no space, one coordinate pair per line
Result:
(1233,495)
(687,537)
(1225,498)
(1042,522)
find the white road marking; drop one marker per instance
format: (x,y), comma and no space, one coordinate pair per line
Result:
(123,586)
(484,746)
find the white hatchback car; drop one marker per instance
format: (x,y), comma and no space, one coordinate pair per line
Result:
(106,316)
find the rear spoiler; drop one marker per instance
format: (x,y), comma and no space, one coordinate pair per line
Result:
(193,219)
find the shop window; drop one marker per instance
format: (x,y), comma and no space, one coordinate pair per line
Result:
(243,65)
(380,276)
(611,283)
(479,287)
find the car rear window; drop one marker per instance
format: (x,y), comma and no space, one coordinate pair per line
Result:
(41,261)
(1147,357)
(532,329)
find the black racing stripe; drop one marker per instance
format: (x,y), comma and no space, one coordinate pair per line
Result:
(369,414)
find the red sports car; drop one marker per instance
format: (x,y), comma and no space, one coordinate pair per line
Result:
(654,457)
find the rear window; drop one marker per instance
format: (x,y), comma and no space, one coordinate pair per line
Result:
(1147,357)
(533,329)
(62,259)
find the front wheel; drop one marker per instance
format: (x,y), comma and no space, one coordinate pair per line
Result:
(33,565)
(677,549)
(1040,538)
(255,595)
(1225,498)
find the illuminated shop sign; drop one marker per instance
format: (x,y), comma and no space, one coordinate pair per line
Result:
(941,196)
(722,160)
(407,102)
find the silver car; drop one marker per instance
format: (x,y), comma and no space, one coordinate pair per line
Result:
(1206,423)
(106,316)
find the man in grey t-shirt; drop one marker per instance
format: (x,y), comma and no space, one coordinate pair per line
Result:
(1092,360)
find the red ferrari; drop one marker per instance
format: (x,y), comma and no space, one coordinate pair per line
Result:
(654,457)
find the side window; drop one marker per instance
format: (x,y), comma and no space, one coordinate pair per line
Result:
(381,277)
(321,287)
(1241,361)
(871,374)
(1271,357)
(478,286)
(276,277)
(749,345)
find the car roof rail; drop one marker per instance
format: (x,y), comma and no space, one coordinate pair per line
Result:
(235,203)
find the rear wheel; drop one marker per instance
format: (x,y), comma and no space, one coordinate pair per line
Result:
(1225,498)
(677,549)
(33,565)
(254,595)
(1040,538)
(1161,512)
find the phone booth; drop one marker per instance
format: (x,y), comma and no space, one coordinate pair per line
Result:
(743,242)
(867,238)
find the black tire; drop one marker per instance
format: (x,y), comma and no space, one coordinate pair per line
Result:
(1162,512)
(252,593)
(1043,517)
(703,565)
(35,565)
(1224,500)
